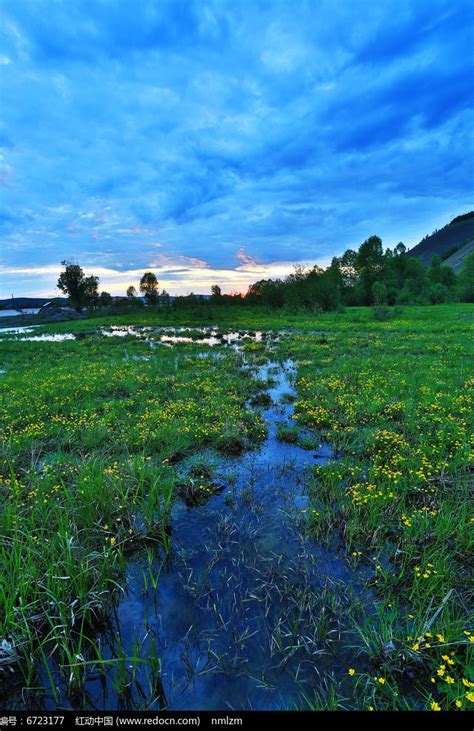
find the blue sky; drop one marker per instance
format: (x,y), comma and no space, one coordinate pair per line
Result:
(218,141)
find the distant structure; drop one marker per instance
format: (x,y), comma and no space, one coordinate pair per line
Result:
(54,305)
(55,310)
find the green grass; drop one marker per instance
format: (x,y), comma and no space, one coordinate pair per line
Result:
(91,436)
(93,431)
(396,402)
(435,317)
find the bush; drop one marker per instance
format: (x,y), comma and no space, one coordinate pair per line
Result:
(438,294)
(381,312)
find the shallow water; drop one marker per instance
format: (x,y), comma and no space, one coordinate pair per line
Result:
(175,336)
(17,330)
(249,609)
(153,335)
(15,313)
(24,332)
(50,337)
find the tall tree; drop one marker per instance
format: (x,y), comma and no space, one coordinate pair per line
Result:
(368,263)
(149,287)
(81,290)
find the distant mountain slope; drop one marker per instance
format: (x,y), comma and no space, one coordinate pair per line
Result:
(456,260)
(452,243)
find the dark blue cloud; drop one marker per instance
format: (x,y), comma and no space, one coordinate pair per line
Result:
(193,128)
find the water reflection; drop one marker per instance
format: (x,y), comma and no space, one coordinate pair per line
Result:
(167,336)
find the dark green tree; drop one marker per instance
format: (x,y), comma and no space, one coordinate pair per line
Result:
(379,293)
(439,273)
(149,287)
(105,299)
(82,291)
(216,295)
(466,279)
(414,283)
(368,264)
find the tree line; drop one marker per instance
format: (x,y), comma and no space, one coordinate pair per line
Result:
(83,291)
(368,276)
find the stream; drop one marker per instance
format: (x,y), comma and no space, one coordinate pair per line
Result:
(246,610)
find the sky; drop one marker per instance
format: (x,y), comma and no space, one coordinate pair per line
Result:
(222,142)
